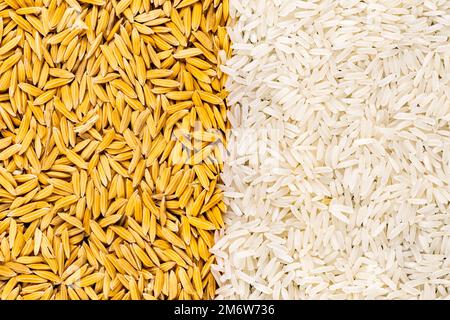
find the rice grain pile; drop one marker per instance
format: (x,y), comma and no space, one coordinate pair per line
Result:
(338,173)
(111,119)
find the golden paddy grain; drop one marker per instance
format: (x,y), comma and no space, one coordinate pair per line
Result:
(112,117)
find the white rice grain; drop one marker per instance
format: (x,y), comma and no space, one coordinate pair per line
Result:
(337,177)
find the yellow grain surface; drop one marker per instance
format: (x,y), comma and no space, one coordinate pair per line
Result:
(112,118)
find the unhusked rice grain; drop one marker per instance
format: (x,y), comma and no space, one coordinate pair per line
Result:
(112,116)
(337,178)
